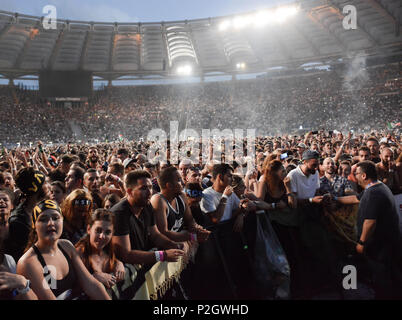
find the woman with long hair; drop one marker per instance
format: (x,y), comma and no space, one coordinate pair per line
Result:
(57,192)
(96,249)
(76,208)
(274,191)
(110,200)
(52,265)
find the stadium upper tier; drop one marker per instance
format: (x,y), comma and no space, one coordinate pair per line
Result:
(291,35)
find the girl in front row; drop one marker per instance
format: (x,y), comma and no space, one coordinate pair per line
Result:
(52,265)
(96,249)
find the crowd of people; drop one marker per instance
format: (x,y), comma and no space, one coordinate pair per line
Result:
(272,105)
(75,217)
(84,201)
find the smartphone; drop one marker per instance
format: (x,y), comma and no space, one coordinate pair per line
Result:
(315,132)
(330,133)
(284,156)
(40,148)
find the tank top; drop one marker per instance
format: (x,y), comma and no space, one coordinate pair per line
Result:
(175,217)
(64,287)
(286,217)
(270,199)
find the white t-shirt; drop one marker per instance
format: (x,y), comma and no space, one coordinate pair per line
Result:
(9,264)
(210,202)
(304,187)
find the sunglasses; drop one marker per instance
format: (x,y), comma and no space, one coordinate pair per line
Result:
(194,193)
(82,202)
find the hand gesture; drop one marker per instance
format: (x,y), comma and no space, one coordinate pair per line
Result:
(228,191)
(11,281)
(317,199)
(202,234)
(119,271)
(108,280)
(172,255)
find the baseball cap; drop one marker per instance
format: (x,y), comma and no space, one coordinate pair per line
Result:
(310,154)
(301,145)
(127,162)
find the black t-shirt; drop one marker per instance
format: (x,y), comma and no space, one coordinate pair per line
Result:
(378,203)
(376,159)
(137,228)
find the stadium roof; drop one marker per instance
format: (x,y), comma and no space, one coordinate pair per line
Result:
(252,42)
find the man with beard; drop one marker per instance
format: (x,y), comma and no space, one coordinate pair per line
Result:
(93,158)
(135,230)
(364,154)
(193,175)
(92,184)
(33,187)
(172,212)
(304,180)
(378,231)
(320,265)
(373,145)
(331,183)
(74,179)
(387,172)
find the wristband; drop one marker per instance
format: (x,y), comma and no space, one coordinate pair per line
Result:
(24,290)
(310,200)
(193,237)
(225,197)
(360,242)
(159,256)
(273,205)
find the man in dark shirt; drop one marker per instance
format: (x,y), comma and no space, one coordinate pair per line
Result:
(378,229)
(135,230)
(374,146)
(387,172)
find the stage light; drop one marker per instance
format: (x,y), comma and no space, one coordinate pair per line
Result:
(240,65)
(224,25)
(184,70)
(284,13)
(262,18)
(240,22)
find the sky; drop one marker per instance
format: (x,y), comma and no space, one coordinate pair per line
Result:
(138,11)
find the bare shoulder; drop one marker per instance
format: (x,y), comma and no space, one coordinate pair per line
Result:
(28,263)
(67,246)
(27,257)
(157,201)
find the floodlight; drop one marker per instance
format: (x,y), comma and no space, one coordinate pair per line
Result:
(224,25)
(184,70)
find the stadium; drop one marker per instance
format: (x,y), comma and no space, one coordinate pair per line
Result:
(252,155)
